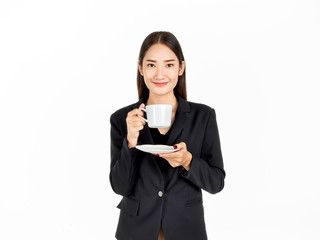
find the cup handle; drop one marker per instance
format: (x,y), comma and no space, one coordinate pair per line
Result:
(142,117)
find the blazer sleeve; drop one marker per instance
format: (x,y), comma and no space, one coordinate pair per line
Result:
(123,168)
(207,171)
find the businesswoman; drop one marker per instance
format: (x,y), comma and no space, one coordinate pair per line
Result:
(162,196)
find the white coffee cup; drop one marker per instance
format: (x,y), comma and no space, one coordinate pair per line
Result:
(158,115)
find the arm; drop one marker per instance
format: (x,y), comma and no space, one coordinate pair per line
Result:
(206,171)
(124,166)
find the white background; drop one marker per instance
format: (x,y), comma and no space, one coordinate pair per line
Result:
(65,66)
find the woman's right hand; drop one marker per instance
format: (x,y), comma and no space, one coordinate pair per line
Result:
(134,125)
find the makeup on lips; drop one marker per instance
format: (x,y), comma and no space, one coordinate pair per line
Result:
(160,84)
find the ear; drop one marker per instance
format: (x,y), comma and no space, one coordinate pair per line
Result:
(182,67)
(140,68)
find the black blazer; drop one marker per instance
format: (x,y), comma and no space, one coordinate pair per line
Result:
(146,202)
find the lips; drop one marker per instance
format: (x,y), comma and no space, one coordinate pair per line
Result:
(160,84)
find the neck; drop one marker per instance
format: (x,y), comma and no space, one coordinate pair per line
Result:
(169,98)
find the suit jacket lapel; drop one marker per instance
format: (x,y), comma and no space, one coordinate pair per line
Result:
(180,120)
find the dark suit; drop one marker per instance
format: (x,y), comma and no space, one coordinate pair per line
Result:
(146,202)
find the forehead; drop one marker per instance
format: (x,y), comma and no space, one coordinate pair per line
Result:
(160,52)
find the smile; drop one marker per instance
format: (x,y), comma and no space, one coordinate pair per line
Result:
(160,84)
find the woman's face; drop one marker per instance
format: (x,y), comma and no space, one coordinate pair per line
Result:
(160,69)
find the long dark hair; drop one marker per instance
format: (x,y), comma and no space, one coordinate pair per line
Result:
(171,42)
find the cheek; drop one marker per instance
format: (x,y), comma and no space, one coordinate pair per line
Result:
(174,78)
(174,75)
(147,83)
(148,75)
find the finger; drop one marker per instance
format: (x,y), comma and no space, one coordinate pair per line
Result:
(181,145)
(137,128)
(137,124)
(133,125)
(170,155)
(136,119)
(135,112)
(142,105)
(173,164)
(141,113)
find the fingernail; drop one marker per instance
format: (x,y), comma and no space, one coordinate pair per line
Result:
(174,146)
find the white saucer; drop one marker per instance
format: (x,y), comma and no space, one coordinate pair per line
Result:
(156,148)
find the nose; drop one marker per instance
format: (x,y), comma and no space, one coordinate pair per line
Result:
(159,73)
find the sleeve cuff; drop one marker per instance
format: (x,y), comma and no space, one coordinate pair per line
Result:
(129,151)
(183,171)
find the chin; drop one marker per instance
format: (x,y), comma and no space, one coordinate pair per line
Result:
(162,92)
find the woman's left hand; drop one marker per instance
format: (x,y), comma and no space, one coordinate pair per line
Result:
(179,158)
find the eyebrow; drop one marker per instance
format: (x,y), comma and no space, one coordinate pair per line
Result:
(169,60)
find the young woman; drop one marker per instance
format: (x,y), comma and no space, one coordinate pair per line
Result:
(162,196)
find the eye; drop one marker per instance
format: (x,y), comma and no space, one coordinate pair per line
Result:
(150,65)
(170,65)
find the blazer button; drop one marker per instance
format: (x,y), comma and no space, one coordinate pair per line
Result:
(160,193)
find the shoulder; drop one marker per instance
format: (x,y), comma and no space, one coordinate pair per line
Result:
(200,108)
(202,113)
